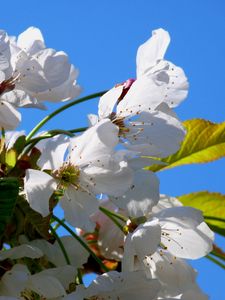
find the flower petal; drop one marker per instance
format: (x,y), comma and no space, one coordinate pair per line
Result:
(142,242)
(52,152)
(94,143)
(38,187)
(141,196)
(31,40)
(108,101)
(20,252)
(151,51)
(9,116)
(78,206)
(183,234)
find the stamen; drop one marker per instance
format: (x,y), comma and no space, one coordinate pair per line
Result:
(68,174)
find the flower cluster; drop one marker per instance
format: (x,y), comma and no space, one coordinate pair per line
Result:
(121,228)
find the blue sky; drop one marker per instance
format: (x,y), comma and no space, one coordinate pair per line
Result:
(101,38)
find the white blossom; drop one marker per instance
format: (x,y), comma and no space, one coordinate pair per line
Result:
(114,285)
(142,108)
(48,284)
(32,72)
(180,230)
(89,169)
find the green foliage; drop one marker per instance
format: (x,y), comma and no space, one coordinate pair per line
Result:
(9,189)
(204,142)
(212,205)
(10,158)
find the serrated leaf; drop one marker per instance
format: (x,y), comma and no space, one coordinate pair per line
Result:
(204,142)
(211,204)
(10,158)
(9,189)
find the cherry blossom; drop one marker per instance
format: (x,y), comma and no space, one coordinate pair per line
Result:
(31,73)
(89,169)
(180,230)
(142,108)
(114,285)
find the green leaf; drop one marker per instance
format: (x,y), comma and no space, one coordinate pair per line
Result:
(212,206)
(204,142)
(9,189)
(10,158)
(20,144)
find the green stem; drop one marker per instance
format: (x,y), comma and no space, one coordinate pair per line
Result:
(111,216)
(214,218)
(81,129)
(214,253)
(54,132)
(59,110)
(216,261)
(58,225)
(118,216)
(98,260)
(60,245)
(50,134)
(79,276)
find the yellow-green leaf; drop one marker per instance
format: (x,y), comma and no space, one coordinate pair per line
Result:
(10,158)
(212,206)
(204,142)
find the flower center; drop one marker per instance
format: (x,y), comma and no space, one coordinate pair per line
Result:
(7,85)
(68,174)
(30,295)
(119,121)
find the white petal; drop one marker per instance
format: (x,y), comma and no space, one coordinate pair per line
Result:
(110,237)
(111,179)
(182,235)
(114,285)
(75,252)
(188,216)
(52,152)
(194,293)
(20,98)
(21,251)
(67,90)
(9,116)
(155,134)
(144,94)
(65,274)
(92,119)
(176,84)
(152,50)
(31,40)
(14,281)
(4,64)
(166,202)
(11,137)
(45,285)
(174,274)
(38,187)
(94,143)
(141,196)
(142,242)
(78,206)
(2,76)
(108,101)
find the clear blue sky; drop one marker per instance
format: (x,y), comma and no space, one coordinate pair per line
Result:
(101,38)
